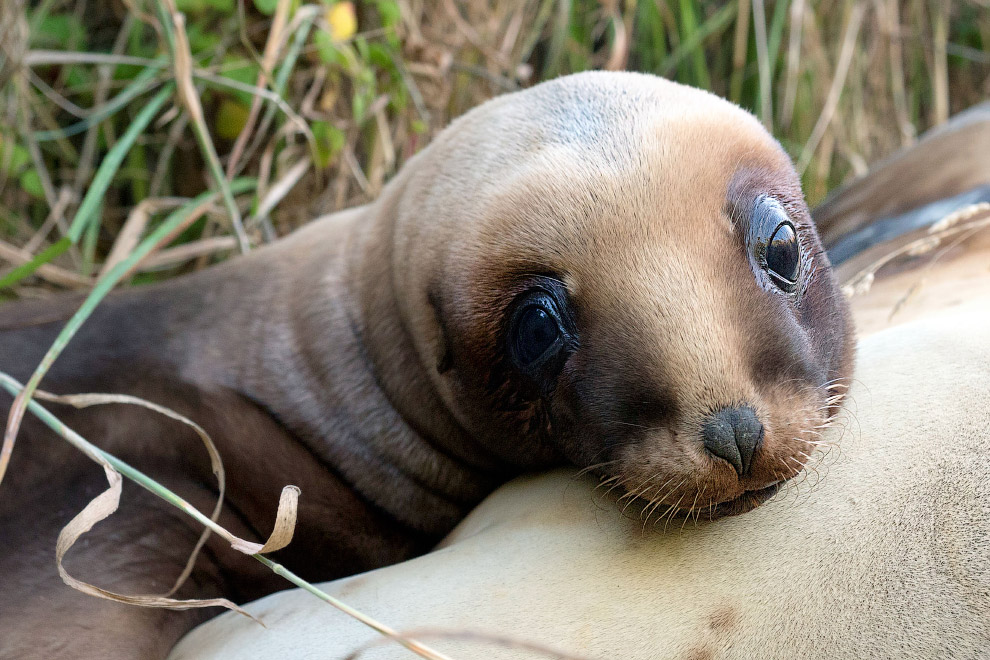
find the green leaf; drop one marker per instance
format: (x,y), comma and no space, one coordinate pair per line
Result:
(328,50)
(389,12)
(78,77)
(243,72)
(266,7)
(399,100)
(61,31)
(330,141)
(31,183)
(19,156)
(361,44)
(379,56)
(358,105)
(202,40)
(223,6)
(199,6)
(231,118)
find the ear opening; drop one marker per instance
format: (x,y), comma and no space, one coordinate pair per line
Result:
(445,357)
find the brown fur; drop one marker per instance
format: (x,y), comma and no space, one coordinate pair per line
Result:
(363,358)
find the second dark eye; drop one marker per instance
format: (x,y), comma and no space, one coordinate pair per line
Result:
(536,331)
(774,245)
(782,253)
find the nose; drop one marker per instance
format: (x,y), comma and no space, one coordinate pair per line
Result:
(733,434)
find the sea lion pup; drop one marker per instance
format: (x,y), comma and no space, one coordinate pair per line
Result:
(608,270)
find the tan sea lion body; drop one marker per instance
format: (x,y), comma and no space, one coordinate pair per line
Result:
(606,270)
(886,557)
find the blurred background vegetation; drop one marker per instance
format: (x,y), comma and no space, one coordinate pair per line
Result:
(118,118)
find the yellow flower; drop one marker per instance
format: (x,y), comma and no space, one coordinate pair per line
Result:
(342,20)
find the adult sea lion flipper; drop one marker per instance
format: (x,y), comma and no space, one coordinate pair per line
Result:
(947,168)
(905,238)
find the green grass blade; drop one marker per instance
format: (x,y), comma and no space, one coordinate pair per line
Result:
(716,22)
(689,34)
(112,161)
(39,260)
(97,189)
(780,12)
(143,82)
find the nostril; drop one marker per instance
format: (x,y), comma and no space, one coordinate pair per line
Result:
(733,434)
(720,439)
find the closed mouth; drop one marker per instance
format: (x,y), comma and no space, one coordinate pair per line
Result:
(744,503)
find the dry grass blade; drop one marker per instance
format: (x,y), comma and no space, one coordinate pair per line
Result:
(99,508)
(940,65)
(102,287)
(965,214)
(187,252)
(892,26)
(137,221)
(793,63)
(13,38)
(838,82)
(285,525)
(49,57)
(740,44)
(56,216)
(619,54)
(87,400)
(909,295)
(268,61)
(763,62)
(503,641)
(53,274)
(968,219)
(282,187)
(299,28)
(37,159)
(107,502)
(189,97)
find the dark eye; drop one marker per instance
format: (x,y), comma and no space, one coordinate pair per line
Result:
(535,332)
(541,335)
(774,243)
(782,253)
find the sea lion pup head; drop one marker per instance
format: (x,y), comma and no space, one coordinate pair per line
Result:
(622,271)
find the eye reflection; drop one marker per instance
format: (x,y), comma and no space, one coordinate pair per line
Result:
(782,253)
